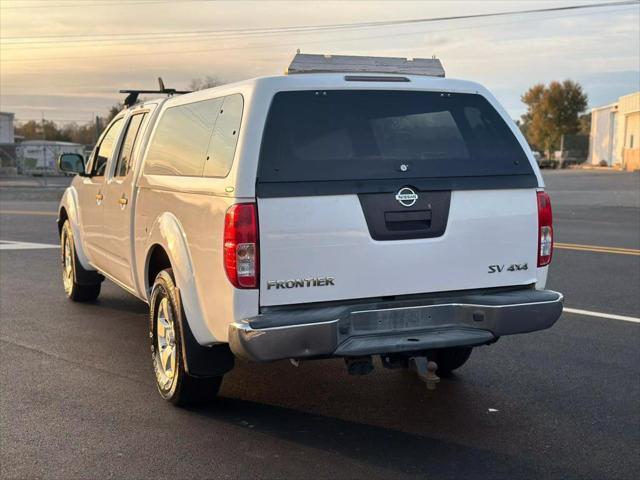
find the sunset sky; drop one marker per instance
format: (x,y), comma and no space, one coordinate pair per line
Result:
(67,59)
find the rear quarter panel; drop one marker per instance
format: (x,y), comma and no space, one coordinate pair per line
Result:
(199,206)
(194,243)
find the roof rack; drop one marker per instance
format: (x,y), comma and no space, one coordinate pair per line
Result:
(312,63)
(132,96)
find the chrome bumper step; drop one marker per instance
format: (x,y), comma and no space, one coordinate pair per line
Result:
(370,329)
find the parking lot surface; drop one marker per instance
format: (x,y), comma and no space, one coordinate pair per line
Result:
(77,397)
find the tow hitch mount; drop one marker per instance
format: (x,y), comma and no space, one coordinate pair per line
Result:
(359,365)
(425,370)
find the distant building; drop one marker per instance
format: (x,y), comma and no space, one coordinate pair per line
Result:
(40,156)
(615,133)
(6,128)
(7,144)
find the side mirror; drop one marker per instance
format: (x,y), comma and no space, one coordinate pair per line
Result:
(71,163)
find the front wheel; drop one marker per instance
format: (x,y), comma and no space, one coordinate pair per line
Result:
(72,270)
(166,318)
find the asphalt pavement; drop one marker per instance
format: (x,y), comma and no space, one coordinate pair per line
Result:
(77,397)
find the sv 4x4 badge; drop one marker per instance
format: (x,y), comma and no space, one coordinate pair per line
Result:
(515,267)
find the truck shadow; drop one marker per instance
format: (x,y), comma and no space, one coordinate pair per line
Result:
(386,420)
(413,455)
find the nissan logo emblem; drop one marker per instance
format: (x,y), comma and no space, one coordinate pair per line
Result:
(406,196)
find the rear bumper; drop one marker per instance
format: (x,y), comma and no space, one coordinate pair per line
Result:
(390,327)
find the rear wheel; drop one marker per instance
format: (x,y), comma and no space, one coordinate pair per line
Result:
(450,359)
(72,270)
(166,317)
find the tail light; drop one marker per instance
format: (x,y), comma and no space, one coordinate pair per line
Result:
(545,229)
(241,245)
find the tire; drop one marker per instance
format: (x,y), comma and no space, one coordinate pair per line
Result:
(72,270)
(166,317)
(450,359)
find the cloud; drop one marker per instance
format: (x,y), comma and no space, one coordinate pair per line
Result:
(506,54)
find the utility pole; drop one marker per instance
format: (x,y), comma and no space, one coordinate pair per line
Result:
(44,152)
(96,131)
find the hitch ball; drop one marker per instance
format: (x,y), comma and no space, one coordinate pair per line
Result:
(425,370)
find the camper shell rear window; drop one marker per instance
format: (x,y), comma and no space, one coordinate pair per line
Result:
(370,139)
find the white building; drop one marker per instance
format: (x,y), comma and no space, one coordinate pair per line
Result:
(41,155)
(615,133)
(6,128)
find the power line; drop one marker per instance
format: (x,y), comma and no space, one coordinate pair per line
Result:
(414,21)
(306,28)
(102,4)
(222,34)
(116,42)
(250,47)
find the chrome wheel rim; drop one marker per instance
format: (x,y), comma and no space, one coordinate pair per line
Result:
(67,263)
(165,358)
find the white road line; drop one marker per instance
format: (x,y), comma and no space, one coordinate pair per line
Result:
(610,316)
(7,245)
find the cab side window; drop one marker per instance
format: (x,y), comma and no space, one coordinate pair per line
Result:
(105,149)
(128,144)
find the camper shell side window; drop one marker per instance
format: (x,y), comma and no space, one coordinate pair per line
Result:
(196,139)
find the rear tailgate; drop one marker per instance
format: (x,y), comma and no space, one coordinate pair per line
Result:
(381,193)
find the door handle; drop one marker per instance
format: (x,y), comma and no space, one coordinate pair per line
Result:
(99,198)
(123,201)
(404,221)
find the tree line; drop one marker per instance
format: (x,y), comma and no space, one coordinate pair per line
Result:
(87,134)
(554,110)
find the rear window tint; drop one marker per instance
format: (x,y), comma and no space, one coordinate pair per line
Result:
(375,135)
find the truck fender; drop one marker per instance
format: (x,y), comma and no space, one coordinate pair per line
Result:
(70,203)
(168,233)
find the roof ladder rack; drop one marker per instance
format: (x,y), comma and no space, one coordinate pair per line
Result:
(311,63)
(132,96)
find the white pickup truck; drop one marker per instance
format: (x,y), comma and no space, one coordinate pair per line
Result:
(357,207)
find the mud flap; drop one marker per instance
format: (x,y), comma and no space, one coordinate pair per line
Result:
(203,361)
